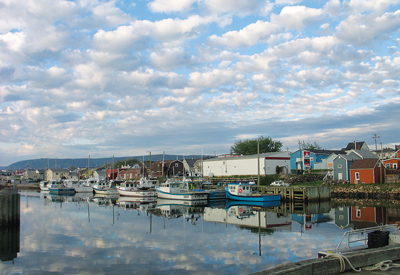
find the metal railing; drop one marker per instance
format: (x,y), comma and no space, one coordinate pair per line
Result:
(361,235)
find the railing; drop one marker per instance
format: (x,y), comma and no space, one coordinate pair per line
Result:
(361,235)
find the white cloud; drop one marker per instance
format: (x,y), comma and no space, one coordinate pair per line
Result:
(297,17)
(168,6)
(250,35)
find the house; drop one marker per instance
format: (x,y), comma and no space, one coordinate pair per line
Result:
(189,165)
(174,168)
(364,217)
(265,164)
(343,217)
(341,165)
(32,174)
(392,169)
(57,174)
(323,158)
(100,173)
(302,160)
(386,153)
(367,171)
(356,145)
(130,174)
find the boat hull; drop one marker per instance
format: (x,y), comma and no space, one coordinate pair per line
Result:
(137,193)
(183,195)
(62,190)
(216,194)
(264,204)
(106,191)
(230,196)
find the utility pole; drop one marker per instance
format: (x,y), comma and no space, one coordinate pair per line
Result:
(258,161)
(375,136)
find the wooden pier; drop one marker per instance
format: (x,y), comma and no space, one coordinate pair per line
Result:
(9,207)
(9,224)
(299,194)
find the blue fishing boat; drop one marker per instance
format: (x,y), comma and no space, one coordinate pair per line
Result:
(263,204)
(243,192)
(58,188)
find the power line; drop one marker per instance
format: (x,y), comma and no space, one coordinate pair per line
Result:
(375,136)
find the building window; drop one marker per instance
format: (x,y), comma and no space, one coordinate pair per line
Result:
(339,166)
(176,164)
(357,176)
(394,165)
(387,165)
(358,212)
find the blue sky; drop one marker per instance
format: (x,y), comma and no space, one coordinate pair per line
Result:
(121,78)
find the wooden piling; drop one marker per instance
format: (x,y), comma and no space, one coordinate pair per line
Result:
(9,208)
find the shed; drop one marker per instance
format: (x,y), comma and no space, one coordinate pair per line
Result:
(367,171)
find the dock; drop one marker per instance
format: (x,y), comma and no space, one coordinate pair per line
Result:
(298,194)
(331,265)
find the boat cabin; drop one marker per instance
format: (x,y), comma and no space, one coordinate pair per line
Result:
(170,187)
(240,189)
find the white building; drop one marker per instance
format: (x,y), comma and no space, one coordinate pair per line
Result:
(247,165)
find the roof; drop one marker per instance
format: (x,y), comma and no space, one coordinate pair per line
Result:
(59,170)
(365,154)
(364,164)
(285,154)
(347,157)
(191,162)
(326,152)
(350,146)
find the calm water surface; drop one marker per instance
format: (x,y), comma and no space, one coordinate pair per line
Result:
(79,235)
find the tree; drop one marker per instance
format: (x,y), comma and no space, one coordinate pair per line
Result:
(310,146)
(130,162)
(249,146)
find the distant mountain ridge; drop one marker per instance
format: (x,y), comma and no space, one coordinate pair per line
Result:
(43,163)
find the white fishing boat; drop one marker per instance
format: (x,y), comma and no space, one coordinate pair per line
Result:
(80,186)
(90,182)
(134,189)
(43,185)
(148,183)
(105,187)
(173,190)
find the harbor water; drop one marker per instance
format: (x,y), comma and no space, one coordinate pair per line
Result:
(85,234)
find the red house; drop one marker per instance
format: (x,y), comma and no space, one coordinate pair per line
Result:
(367,171)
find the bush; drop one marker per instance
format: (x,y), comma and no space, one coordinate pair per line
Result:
(267,180)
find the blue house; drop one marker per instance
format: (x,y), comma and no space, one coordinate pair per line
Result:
(301,160)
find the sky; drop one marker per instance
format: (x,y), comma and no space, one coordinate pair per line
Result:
(125,78)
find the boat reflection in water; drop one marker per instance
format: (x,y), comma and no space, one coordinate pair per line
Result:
(173,209)
(112,234)
(143,204)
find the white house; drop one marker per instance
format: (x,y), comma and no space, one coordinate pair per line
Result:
(247,165)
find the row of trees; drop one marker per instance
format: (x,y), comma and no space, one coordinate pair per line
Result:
(265,145)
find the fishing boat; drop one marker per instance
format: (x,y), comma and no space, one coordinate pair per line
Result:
(80,186)
(173,190)
(90,182)
(43,185)
(148,183)
(134,189)
(258,204)
(59,188)
(105,188)
(244,192)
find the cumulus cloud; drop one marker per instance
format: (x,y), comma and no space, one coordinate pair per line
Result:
(104,74)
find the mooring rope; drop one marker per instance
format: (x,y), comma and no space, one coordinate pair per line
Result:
(342,262)
(383,265)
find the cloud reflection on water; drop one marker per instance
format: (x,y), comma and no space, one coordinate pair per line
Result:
(69,238)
